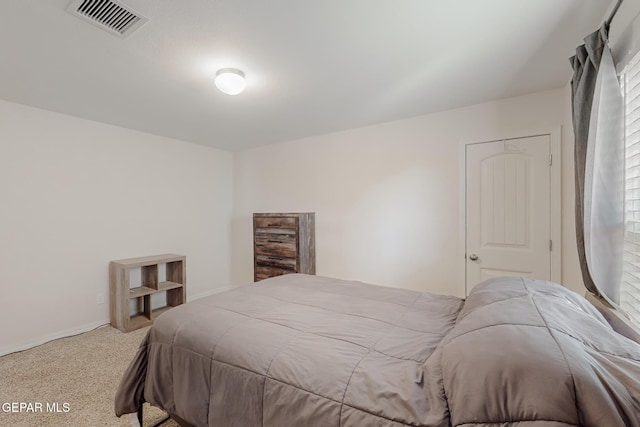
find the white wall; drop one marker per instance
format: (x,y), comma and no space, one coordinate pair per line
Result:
(76,194)
(386,196)
(624,35)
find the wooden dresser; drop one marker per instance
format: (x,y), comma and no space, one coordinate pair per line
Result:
(283,243)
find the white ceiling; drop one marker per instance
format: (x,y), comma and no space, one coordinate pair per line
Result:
(313,67)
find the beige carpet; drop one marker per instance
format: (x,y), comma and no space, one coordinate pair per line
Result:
(82,371)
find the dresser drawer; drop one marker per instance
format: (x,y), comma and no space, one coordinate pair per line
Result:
(266,272)
(276,222)
(273,247)
(277,262)
(264,238)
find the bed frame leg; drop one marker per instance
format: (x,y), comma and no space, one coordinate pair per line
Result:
(156,424)
(162,421)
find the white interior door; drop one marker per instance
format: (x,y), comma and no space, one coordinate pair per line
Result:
(508,209)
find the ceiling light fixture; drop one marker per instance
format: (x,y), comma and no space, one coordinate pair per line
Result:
(230,81)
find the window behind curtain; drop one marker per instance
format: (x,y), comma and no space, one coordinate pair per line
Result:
(630,290)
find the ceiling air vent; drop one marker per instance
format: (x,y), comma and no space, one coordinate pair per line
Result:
(110,15)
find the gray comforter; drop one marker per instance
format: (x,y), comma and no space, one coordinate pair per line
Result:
(311,351)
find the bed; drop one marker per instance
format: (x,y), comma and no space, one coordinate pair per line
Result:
(301,350)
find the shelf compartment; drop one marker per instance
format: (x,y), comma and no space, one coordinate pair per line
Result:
(150,276)
(139,321)
(165,286)
(140,292)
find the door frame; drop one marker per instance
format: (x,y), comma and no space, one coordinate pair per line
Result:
(555,194)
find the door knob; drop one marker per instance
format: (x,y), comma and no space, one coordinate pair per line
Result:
(473,257)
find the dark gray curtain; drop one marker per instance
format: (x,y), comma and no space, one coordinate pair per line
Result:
(598,114)
(585,63)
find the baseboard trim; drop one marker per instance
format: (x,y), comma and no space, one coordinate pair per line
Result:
(54,336)
(208,293)
(86,328)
